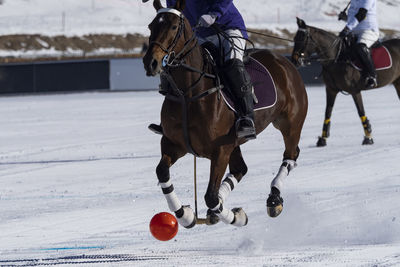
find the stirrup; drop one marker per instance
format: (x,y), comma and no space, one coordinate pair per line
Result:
(248,131)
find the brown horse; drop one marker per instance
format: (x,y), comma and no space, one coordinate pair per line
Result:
(341,75)
(195,119)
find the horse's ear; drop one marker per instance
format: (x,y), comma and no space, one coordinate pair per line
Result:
(180,5)
(157,4)
(301,23)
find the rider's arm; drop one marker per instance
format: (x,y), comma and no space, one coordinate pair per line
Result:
(362,10)
(219,7)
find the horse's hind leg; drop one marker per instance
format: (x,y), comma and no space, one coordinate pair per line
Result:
(237,169)
(170,154)
(217,192)
(364,120)
(291,131)
(397,86)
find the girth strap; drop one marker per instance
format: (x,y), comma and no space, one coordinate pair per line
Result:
(184,102)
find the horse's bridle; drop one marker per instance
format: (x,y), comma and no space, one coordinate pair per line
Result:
(301,55)
(172,57)
(170,47)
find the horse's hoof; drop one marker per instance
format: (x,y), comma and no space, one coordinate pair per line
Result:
(240,217)
(321,141)
(212,218)
(186,217)
(274,205)
(368,141)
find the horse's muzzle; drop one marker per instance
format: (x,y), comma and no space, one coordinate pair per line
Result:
(297,60)
(152,65)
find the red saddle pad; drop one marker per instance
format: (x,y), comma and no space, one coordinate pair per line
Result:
(381,57)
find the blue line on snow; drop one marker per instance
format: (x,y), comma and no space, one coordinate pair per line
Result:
(70,248)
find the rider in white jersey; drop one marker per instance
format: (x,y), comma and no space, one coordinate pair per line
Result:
(362,22)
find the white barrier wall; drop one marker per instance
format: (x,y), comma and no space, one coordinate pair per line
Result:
(129,74)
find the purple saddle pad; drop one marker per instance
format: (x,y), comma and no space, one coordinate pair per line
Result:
(264,86)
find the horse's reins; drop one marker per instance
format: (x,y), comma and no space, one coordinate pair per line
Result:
(269,35)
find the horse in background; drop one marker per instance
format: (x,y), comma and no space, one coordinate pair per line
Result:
(340,75)
(195,119)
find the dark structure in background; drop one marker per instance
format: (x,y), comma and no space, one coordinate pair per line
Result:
(54,76)
(87,75)
(311,74)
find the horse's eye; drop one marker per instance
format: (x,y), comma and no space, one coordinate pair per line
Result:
(174,27)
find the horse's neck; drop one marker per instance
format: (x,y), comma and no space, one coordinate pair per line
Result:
(326,46)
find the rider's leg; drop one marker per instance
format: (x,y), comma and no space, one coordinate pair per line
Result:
(239,83)
(365,40)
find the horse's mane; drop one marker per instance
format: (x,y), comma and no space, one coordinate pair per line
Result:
(323,32)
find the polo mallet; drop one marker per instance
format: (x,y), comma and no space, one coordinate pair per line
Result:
(198,220)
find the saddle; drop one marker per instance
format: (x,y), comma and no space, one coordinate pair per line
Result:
(261,79)
(380,54)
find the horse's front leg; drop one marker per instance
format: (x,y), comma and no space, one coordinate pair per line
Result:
(364,120)
(291,130)
(237,169)
(217,192)
(330,101)
(170,154)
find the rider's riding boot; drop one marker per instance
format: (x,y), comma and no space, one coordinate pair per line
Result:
(239,84)
(155,128)
(364,56)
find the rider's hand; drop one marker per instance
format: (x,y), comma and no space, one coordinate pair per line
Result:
(344,32)
(342,16)
(207,20)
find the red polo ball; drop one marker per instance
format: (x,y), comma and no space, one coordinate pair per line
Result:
(163,226)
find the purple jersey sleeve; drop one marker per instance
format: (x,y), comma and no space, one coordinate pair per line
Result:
(219,7)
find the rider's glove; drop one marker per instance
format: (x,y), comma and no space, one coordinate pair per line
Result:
(342,16)
(207,20)
(344,32)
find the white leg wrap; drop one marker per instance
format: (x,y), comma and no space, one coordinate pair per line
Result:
(225,214)
(173,202)
(187,220)
(286,167)
(226,187)
(240,218)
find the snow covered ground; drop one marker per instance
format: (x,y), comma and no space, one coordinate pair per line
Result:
(80,17)
(46,19)
(78,184)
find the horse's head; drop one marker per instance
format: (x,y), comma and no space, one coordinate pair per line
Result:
(303,47)
(166,36)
